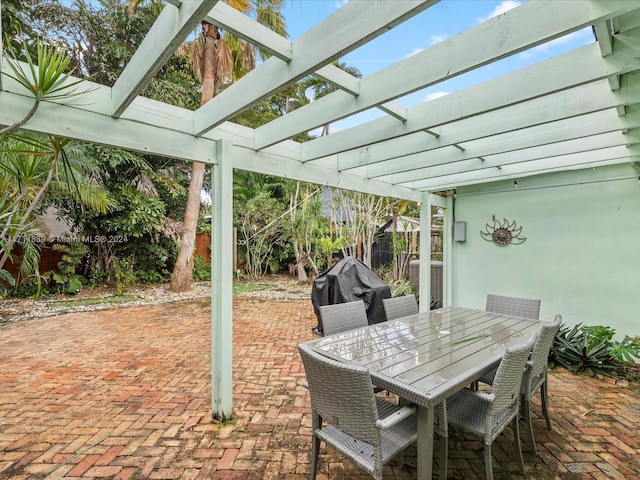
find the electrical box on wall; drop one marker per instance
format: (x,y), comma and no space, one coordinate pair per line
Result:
(460,231)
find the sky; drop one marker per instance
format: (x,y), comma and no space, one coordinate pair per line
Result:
(439,22)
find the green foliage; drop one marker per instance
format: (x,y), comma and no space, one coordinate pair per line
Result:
(626,351)
(201,269)
(5,276)
(137,226)
(66,278)
(123,274)
(46,78)
(400,287)
(580,356)
(261,230)
(592,350)
(15,21)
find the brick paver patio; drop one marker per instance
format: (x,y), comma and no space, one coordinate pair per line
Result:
(124,394)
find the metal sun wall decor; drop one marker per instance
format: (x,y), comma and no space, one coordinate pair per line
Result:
(503,233)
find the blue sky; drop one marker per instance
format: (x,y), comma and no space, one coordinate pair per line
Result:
(442,21)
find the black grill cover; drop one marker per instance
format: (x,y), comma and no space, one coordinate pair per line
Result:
(347,281)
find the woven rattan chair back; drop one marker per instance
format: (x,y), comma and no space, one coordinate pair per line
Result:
(398,307)
(540,356)
(342,395)
(342,317)
(508,379)
(488,414)
(535,378)
(348,416)
(518,307)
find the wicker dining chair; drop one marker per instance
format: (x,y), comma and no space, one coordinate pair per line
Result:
(535,377)
(398,307)
(349,417)
(518,307)
(341,317)
(488,413)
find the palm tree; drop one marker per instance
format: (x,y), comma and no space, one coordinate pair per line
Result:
(219,58)
(319,87)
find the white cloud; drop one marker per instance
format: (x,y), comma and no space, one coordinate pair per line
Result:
(340,3)
(434,95)
(413,52)
(433,39)
(502,7)
(545,47)
(437,39)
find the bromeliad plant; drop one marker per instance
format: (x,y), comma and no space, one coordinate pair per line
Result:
(592,350)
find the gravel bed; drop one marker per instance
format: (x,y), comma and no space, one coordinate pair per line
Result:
(16,309)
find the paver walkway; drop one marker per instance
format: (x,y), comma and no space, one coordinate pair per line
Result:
(124,394)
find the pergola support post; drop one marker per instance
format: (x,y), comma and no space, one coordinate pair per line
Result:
(425,253)
(222,283)
(446,203)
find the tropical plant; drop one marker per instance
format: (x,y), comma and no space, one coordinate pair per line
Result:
(261,230)
(46,80)
(123,274)
(201,269)
(66,278)
(15,22)
(580,356)
(627,350)
(318,87)
(592,349)
(308,228)
(219,58)
(356,216)
(401,254)
(34,172)
(400,287)
(147,196)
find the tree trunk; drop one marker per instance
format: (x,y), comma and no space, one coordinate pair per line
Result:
(183,269)
(302,273)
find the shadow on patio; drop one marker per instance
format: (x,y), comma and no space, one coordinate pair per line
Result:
(124,394)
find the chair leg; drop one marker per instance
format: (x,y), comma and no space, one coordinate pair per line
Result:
(526,410)
(516,439)
(488,466)
(544,398)
(315,450)
(316,422)
(444,456)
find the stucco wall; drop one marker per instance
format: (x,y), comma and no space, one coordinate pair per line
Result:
(582,252)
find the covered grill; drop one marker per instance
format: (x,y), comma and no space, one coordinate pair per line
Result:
(347,281)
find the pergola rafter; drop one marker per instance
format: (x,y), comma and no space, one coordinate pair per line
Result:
(572,113)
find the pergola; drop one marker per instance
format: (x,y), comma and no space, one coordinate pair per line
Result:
(574,111)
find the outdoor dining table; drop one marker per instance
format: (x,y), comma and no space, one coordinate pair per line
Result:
(427,357)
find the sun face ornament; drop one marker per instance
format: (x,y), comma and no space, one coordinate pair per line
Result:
(503,233)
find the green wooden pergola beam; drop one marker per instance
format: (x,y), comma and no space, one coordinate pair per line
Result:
(171,28)
(527,27)
(577,67)
(591,159)
(338,35)
(579,144)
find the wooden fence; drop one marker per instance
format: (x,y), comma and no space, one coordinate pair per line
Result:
(49,258)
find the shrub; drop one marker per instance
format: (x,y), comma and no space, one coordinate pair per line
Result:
(201,269)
